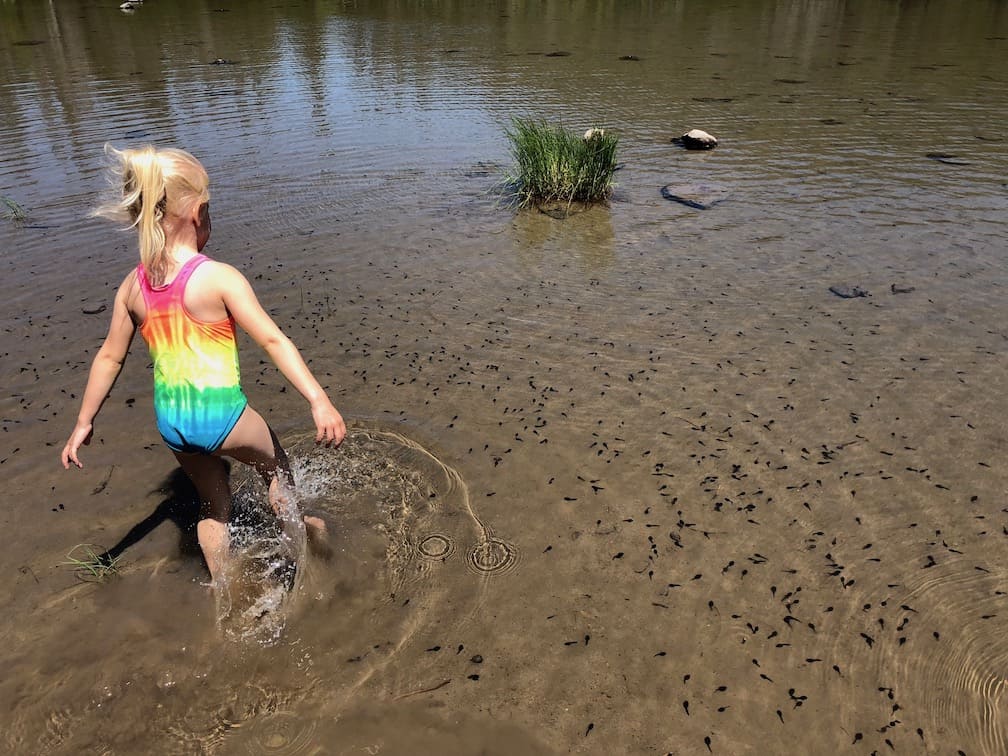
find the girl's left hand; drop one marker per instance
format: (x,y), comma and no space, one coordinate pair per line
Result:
(81,435)
(329,426)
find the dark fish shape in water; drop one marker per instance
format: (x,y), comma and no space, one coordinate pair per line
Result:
(941,157)
(848,292)
(699,196)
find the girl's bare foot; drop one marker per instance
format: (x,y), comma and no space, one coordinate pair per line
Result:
(316,525)
(318,536)
(279,497)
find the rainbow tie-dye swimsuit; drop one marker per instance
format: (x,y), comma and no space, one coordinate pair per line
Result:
(197,383)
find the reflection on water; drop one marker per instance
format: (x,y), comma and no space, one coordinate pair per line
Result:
(690,472)
(363,104)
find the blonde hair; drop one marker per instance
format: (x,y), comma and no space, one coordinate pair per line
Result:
(150,184)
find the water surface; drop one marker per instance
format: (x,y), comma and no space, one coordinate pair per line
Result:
(633,481)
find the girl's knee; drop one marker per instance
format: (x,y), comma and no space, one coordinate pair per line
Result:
(217,509)
(210,477)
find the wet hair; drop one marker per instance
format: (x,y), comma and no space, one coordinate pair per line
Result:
(150,184)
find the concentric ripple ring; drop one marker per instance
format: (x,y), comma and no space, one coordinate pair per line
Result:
(492,556)
(284,733)
(436,546)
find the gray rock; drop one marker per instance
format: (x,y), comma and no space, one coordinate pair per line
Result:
(699,196)
(848,292)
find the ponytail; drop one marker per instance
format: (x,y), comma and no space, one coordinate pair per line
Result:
(144,189)
(152,184)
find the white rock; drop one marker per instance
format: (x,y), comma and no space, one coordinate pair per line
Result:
(695,139)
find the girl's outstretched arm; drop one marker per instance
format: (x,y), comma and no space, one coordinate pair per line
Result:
(104,370)
(241,302)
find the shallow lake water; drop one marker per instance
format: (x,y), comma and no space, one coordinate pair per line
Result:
(633,481)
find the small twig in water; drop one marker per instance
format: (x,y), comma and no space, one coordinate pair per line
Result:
(848,443)
(422,690)
(101,486)
(26,570)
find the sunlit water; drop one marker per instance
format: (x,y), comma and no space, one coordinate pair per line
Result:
(634,481)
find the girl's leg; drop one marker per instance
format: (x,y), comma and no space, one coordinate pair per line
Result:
(210,477)
(254,443)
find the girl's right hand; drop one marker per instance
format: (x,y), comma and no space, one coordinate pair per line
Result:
(81,435)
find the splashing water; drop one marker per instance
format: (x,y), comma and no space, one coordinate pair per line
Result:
(262,572)
(379,487)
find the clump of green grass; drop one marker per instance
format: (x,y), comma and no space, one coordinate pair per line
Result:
(92,563)
(556,165)
(14,211)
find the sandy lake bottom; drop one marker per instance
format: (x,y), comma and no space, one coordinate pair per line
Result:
(634,481)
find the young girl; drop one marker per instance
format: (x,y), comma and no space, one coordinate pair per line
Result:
(186,307)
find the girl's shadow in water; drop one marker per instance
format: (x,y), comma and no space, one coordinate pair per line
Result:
(181,506)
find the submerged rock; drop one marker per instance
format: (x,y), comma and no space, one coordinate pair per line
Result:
(562,210)
(696,139)
(848,292)
(699,196)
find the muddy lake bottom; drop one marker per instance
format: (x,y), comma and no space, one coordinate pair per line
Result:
(630,481)
(634,507)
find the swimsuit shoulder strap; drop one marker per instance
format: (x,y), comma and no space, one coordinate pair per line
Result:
(182,278)
(145,287)
(160,296)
